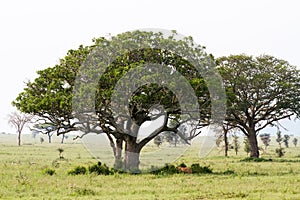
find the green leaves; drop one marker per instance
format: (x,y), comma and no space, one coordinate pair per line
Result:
(259,90)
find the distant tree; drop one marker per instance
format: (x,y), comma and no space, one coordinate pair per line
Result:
(158,140)
(236,144)
(18,121)
(223,138)
(286,139)
(279,151)
(60,151)
(266,139)
(168,136)
(64,136)
(260,91)
(45,128)
(247,147)
(295,141)
(172,138)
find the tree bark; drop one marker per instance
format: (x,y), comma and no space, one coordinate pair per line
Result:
(132,155)
(49,137)
(254,152)
(118,154)
(63,138)
(226,142)
(19,138)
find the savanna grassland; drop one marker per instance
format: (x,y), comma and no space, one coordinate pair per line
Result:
(22,175)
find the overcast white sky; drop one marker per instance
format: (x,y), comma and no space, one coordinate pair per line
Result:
(35,34)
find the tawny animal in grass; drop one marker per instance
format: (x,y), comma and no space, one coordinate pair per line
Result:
(186,170)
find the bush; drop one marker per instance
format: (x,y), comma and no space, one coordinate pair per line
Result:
(171,169)
(78,170)
(197,169)
(100,169)
(280,152)
(49,171)
(167,169)
(228,172)
(182,165)
(249,159)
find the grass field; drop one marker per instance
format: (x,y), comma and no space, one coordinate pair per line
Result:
(22,177)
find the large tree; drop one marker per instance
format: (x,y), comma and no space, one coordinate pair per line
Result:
(117,84)
(260,92)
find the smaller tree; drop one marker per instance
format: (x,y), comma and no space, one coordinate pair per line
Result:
(45,128)
(247,147)
(236,144)
(286,139)
(60,151)
(18,121)
(64,136)
(172,138)
(279,151)
(266,139)
(295,141)
(223,137)
(158,140)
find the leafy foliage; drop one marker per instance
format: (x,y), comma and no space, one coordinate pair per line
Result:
(279,151)
(197,169)
(49,171)
(51,95)
(247,147)
(100,169)
(158,140)
(260,91)
(236,144)
(79,170)
(266,139)
(172,169)
(295,141)
(286,139)
(256,160)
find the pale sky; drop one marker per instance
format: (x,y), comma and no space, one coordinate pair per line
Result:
(35,34)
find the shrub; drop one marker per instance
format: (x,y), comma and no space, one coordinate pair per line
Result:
(280,152)
(100,169)
(167,169)
(182,165)
(228,172)
(197,169)
(182,168)
(78,170)
(249,159)
(49,171)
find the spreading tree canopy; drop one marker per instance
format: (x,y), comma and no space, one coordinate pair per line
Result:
(118,83)
(260,92)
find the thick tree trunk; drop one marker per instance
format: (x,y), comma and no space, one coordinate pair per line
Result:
(19,138)
(118,154)
(132,155)
(254,151)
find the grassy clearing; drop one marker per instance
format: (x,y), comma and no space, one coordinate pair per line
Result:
(23,175)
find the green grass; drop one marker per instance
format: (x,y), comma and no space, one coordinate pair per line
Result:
(22,175)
